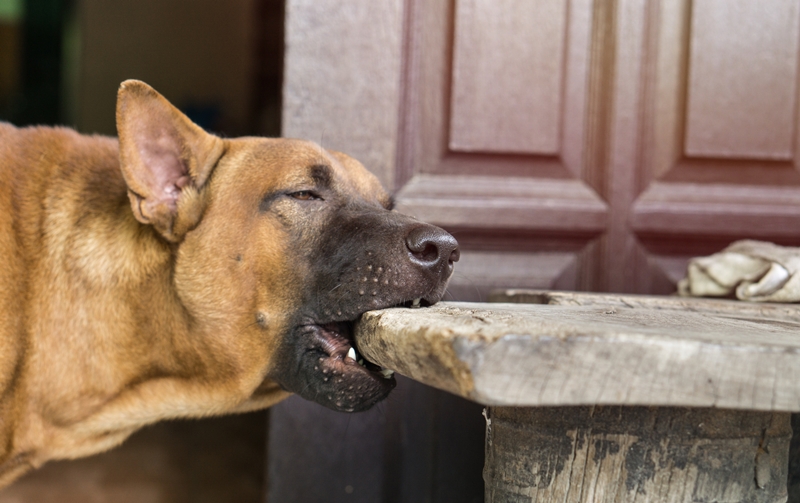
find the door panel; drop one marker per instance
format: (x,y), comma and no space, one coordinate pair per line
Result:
(742,79)
(508,66)
(457,94)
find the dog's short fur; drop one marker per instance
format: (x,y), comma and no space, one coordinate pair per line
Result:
(173,273)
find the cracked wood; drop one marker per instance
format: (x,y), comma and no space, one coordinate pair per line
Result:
(585,349)
(635,454)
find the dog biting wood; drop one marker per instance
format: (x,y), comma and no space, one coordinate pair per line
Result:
(172,273)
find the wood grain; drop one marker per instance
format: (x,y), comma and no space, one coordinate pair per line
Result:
(615,352)
(635,454)
(787,312)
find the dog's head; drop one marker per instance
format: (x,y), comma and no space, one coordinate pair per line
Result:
(279,246)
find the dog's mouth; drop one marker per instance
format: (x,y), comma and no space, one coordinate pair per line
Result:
(336,374)
(337,343)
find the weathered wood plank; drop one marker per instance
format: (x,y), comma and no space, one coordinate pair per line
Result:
(788,312)
(635,454)
(613,350)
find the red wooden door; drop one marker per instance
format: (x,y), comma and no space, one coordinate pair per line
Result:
(592,145)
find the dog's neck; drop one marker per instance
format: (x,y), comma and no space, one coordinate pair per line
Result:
(103,265)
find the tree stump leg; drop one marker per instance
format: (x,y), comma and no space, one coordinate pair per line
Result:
(642,454)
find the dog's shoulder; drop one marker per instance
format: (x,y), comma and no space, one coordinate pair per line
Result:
(51,175)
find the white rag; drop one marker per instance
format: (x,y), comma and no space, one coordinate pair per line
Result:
(753,270)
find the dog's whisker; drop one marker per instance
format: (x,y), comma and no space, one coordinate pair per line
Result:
(472,283)
(346,429)
(308,385)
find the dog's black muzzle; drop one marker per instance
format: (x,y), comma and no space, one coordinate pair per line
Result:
(370,259)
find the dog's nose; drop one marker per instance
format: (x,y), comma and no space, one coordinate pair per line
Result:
(432,247)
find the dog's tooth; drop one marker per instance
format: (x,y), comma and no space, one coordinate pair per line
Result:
(351,353)
(361,362)
(387,374)
(416,302)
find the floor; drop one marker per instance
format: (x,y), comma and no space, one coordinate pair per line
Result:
(216,460)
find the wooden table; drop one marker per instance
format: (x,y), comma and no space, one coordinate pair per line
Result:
(611,398)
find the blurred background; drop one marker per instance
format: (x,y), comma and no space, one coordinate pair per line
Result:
(61,61)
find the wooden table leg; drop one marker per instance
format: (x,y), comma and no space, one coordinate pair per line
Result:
(643,454)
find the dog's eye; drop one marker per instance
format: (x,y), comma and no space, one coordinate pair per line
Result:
(305,195)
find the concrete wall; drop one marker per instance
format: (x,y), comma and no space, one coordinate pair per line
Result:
(342,78)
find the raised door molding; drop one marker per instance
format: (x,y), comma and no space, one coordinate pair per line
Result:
(460,98)
(688,209)
(529,204)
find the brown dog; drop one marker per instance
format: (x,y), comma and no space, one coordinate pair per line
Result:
(178,274)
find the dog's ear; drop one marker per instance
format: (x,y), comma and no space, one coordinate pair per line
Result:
(165,158)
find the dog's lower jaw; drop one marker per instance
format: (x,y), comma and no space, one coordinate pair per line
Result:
(320,367)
